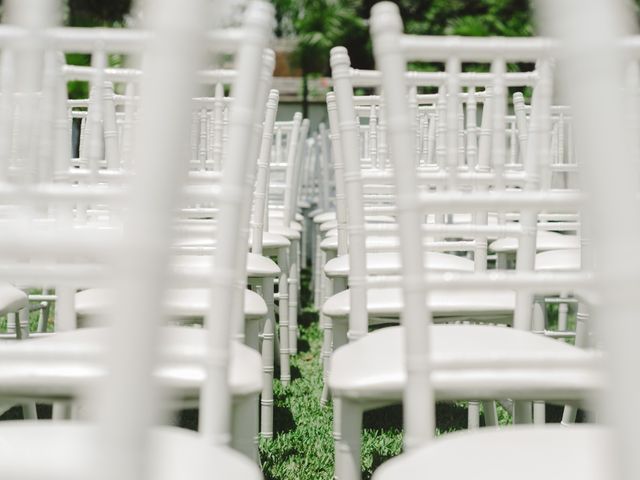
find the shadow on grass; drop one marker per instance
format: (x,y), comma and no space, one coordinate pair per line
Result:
(283,421)
(188,418)
(295,372)
(307,317)
(303,345)
(15,413)
(452,416)
(383,418)
(449,417)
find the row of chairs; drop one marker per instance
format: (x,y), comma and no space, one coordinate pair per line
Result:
(440,226)
(499,207)
(146,217)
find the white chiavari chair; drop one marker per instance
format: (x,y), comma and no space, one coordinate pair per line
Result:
(230,266)
(284,219)
(385,304)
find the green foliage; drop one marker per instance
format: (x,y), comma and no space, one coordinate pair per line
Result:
(318,26)
(322,24)
(97,13)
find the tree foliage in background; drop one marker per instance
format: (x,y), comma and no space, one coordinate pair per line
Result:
(97,13)
(319,25)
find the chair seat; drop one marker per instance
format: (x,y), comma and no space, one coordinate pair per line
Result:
(493,306)
(278,212)
(388,263)
(66,363)
(65,450)
(323,217)
(258,266)
(188,302)
(526,453)
(205,242)
(328,225)
(553,260)
(12,299)
(288,233)
(493,362)
(462,218)
(275,219)
(544,241)
(373,243)
(274,240)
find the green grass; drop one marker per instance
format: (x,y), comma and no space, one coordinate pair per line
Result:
(302,447)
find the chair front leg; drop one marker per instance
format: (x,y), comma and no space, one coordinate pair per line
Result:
(268,348)
(283,316)
(347,435)
(244,426)
(294,283)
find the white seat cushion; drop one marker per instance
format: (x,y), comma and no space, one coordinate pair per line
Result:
(544,241)
(275,220)
(279,213)
(288,233)
(328,225)
(526,453)
(66,449)
(12,299)
(388,263)
(483,305)
(258,266)
(188,302)
(66,363)
(273,241)
(553,260)
(372,243)
(322,217)
(493,364)
(204,242)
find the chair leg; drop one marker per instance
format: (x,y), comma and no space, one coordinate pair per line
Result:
(539,413)
(582,341)
(45,310)
(325,356)
(340,329)
(29,411)
(490,414)
(338,338)
(569,414)
(522,412)
(473,415)
(501,261)
(283,314)
(563,314)
(293,297)
(304,242)
(251,333)
(347,438)
(244,426)
(268,334)
(317,272)
(61,411)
